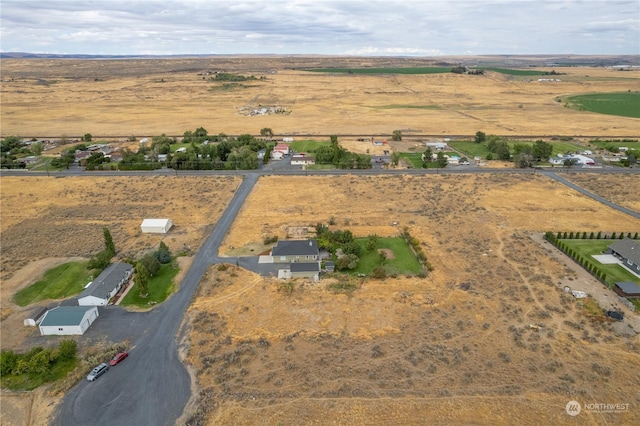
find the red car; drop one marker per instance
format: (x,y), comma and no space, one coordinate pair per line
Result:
(119,358)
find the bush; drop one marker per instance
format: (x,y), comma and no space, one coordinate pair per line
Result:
(379,273)
(67,349)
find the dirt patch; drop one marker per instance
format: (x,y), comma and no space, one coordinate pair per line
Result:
(388,254)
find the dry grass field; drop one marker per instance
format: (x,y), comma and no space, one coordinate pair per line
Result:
(148,97)
(625,188)
(455,347)
(47,221)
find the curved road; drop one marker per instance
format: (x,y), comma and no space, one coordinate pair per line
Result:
(152,386)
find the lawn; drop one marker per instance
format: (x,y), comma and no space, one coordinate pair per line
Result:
(160,287)
(472,149)
(587,248)
(625,104)
(409,70)
(62,281)
(403,263)
(307,146)
(414,158)
(617,143)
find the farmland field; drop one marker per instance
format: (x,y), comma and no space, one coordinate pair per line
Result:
(142,98)
(420,70)
(624,104)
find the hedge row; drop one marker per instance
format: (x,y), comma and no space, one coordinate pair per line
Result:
(592,236)
(580,260)
(414,243)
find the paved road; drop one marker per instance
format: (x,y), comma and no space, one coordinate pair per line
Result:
(152,386)
(594,196)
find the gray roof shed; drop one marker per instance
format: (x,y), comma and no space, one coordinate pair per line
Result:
(304,267)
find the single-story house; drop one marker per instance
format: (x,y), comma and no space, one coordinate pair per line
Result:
(276,155)
(156,226)
(301,159)
(286,251)
(282,147)
(106,285)
(305,270)
(36,316)
(438,146)
(627,289)
(68,320)
(628,251)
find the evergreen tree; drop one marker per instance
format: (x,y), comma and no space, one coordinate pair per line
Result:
(108,242)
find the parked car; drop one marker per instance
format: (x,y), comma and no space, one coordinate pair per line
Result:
(97,372)
(616,315)
(119,358)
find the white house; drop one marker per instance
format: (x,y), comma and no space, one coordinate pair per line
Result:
(302,160)
(584,160)
(439,146)
(68,320)
(156,226)
(106,285)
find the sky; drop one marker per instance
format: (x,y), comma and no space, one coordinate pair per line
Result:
(368,28)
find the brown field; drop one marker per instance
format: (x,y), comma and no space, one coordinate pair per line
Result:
(625,187)
(42,97)
(454,347)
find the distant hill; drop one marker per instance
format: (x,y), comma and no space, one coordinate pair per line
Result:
(27,55)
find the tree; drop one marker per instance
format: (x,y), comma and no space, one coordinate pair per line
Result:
(382,256)
(480,137)
(87,137)
(348,261)
(372,242)
(163,254)
(441,160)
(570,162)
(108,242)
(67,349)
(151,263)
(8,361)
(37,148)
(334,139)
(395,158)
(523,160)
(397,135)
(141,279)
(542,150)
(427,156)
(39,363)
(267,132)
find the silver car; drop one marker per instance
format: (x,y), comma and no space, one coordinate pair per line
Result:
(97,372)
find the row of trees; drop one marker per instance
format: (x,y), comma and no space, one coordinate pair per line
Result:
(578,258)
(38,361)
(340,157)
(591,236)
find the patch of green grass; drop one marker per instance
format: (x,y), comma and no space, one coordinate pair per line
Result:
(603,144)
(625,104)
(62,281)
(321,167)
(174,146)
(403,263)
(414,158)
(587,248)
(59,370)
(308,146)
(160,287)
(408,70)
(516,72)
(399,106)
(470,148)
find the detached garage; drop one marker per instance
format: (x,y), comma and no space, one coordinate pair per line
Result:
(156,226)
(68,320)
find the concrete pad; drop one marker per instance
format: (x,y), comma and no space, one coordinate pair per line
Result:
(606,259)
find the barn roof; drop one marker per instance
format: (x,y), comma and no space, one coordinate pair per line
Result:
(65,315)
(155,222)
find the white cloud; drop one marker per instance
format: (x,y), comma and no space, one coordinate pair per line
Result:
(411,27)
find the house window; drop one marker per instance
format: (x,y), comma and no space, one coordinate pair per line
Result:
(60,329)
(283,257)
(629,262)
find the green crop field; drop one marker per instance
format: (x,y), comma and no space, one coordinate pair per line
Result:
(414,70)
(625,104)
(515,72)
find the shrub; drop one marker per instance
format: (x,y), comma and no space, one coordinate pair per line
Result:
(599,235)
(591,236)
(67,349)
(613,236)
(379,273)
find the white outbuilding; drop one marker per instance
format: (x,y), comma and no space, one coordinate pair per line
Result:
(68,320)
(156,226)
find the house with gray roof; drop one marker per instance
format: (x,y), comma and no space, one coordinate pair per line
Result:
(68,320)
(627,289)
(628,251)
(289,251)
(106,285)
(305,270)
